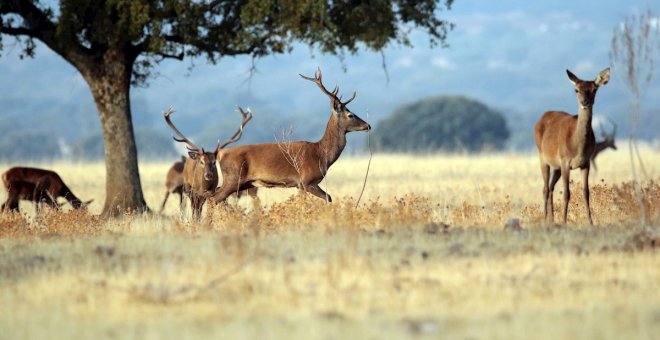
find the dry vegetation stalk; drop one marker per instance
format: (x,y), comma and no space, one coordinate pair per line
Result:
(366,174)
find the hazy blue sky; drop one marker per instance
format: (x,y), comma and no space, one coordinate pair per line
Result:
(511,55)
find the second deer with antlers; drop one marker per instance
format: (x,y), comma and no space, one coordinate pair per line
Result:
(566,142)
(296,164)
(607,142)
(200,175)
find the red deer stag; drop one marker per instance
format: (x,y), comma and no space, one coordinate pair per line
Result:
(293,164)
(200,175)
(174,182)
(566,142)
(607,142)
(21,190)
(42,179)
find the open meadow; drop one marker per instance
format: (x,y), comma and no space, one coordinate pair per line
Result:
(426,254)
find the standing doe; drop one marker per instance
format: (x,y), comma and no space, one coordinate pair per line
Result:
(200,175)
(299,164)
(566,142)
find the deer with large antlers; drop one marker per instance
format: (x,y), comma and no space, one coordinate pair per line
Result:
(41,180)
(200,175)
(299,164)
(566,142)
(607,142)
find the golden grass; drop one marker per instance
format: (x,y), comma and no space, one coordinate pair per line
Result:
(424,255)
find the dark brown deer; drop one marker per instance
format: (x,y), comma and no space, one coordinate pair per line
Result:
(21,190)
(566,142)
(38,177)
(607,142)
(174,182)
(200,175)
(290,164)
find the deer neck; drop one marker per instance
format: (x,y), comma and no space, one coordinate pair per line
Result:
(332,143)
(583,131)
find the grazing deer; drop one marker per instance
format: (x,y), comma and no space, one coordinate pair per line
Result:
(295,164)
(566,142)
(607,142)
(21,190)
(41,178)
(174,182)
(200,175)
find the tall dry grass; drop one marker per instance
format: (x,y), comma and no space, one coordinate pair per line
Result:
(424,255)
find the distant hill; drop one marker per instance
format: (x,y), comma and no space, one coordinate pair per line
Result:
(447,123)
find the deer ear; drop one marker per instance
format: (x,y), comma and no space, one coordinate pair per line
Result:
(574,79)
(193,154)
(603,77)
(336,106)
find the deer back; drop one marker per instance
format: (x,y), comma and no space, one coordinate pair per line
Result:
(283,164)
(174,178)
(55,188)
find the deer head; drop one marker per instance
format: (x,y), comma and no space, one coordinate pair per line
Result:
(207,159)
(585,90)
(608,138)
(346,120)
(204,158)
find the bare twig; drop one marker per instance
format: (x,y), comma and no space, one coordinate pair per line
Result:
(633,50)
(364,184)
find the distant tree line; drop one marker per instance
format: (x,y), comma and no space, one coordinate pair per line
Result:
(21,145)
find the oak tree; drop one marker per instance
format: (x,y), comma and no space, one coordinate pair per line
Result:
(114,44)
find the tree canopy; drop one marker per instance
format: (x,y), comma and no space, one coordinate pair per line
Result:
(155,30)
(448,123)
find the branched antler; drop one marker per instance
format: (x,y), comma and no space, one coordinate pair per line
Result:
(182,138)
(318,80)
(239,133)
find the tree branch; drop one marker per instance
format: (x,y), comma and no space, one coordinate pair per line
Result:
(37,25)
(14,31)
(163,55)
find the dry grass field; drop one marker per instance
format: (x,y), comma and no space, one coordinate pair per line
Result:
(424,255)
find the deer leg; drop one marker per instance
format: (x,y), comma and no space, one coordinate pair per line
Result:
(555,174)
(194,204)
(565,174)
(162,206)
(585,190)
(315,190)
(182,203)
(198,208)
(223,192)
(545,169)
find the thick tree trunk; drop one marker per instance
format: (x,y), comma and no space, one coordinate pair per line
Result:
(110,85)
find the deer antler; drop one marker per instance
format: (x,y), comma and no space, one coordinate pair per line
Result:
(613,126)
(602,130)
(318,80)
(350,100)
(191,146)
(239,133)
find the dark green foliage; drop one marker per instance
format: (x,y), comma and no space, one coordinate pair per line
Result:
(148,31)
(448,123)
